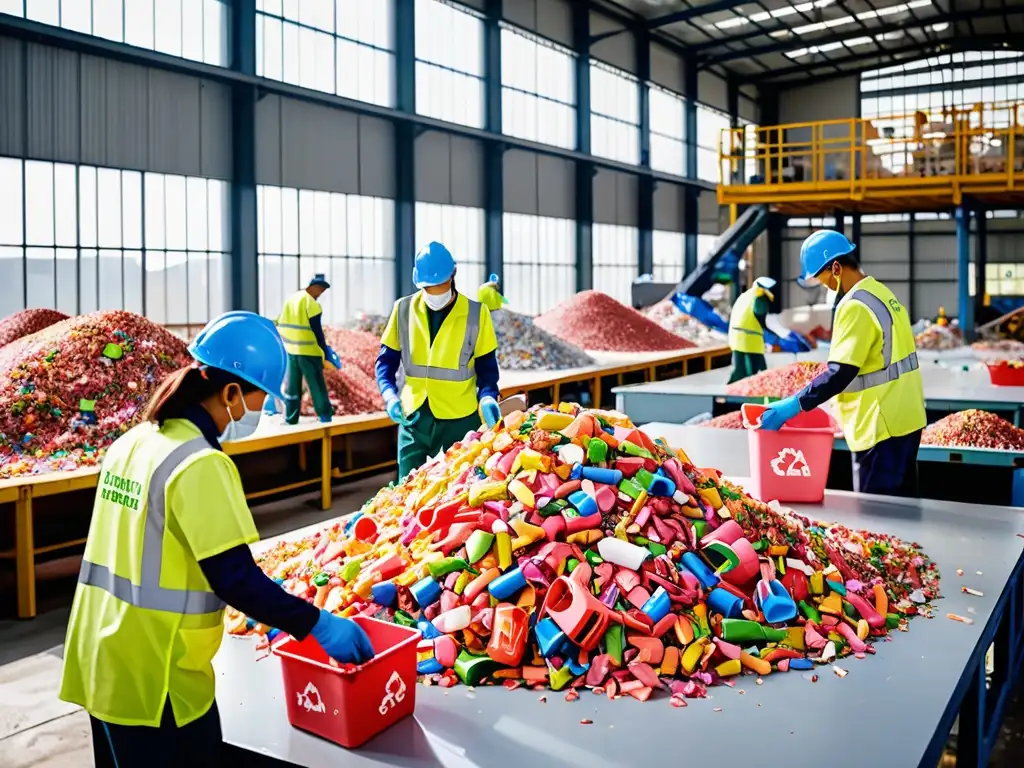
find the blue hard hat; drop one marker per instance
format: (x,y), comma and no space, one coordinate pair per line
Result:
(319,279)
(434,265)
(246,345)
(818,251)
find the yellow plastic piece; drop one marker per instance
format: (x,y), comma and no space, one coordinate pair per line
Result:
(585,538)
(480,492)
(531,459)
(523,495)
(863,630)
(817,583)
(778,549)
(729,668)
(832,604)
(503,543)
(693,513)
(527,598)
(460,583)
(526,534)
(559,678)
(700,611)
(795,638)
(711,496)
(693,654)
(627,520)
(684,630)
(551,421)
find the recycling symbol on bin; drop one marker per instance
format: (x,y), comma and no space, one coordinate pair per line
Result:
(394,693)
(311,700)
(791,463)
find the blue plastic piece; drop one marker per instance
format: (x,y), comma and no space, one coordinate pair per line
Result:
(661,486)
(692,562)
(584,503)
(726,603)
(505,585)
(658,605)
(429,667)
(801,664)
(352,521)
(434,265)
(574,666)
(385,593)
(576,472)
(550,639)
(602,475)
(273,634)
(426,591)
(245,345)
(427,629)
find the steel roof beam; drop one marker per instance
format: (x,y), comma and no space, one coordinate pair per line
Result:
(676,17)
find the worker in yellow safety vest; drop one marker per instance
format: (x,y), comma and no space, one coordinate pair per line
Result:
(445,344)
(746,329)
(300,324)
(873,371)
(168,546)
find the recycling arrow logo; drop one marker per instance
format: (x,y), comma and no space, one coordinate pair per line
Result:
(791,463)
(311,700)
(394,693)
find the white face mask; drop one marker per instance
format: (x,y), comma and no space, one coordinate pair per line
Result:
(244,427)
(438,301)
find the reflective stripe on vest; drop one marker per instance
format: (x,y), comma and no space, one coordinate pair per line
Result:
(890,370)
(149,594)
(463,372)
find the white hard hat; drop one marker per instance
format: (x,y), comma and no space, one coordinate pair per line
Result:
(765,282)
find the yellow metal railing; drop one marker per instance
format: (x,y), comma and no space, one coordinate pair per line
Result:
(982,144)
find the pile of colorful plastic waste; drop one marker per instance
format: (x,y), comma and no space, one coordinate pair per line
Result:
(70,390)
(522,346)
(566,549)
(777,382)
(355,348)
(930,335)
(27,321)
(974,429)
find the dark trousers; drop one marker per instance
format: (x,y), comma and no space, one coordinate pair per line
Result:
(310,368)
(745,364)
(429,436)
(889,468)
(196,745)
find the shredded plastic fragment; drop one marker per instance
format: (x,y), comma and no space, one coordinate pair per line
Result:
(26,322)
(961,619)
(731,420)
(974,429)
(969,591)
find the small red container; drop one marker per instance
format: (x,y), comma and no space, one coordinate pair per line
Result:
(790,465)
(349,706)
(1002,374)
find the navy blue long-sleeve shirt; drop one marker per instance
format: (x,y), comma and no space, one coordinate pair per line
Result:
(316,324)
(236,579)
(826,385)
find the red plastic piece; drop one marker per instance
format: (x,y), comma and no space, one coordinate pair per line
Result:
(1002,374)
(508,636)
(578,613)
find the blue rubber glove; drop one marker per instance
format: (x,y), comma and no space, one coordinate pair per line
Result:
(333,359)
(397,415)
(779,413)
(343,639)
(490,411)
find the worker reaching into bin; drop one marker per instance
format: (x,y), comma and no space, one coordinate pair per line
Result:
(872,371)
(301,327)
(747,325)
(168,547)
(446,345)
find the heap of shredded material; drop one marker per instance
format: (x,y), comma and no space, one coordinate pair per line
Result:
(351,392)
(938,337)
(595,321)
(731,420)
(357,348)
(566,549)
(368,323)
(27,321)
(974,429)
(70,390)
(777,382)
(522,346)
(667,315)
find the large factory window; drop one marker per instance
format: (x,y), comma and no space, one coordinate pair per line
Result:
(669,256)
(538,90)
(349,238)
(449,64)
(615,114)
(540,261)
(668,148)
(710,124)
(616,260)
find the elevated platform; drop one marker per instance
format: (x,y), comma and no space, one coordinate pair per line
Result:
(899,163)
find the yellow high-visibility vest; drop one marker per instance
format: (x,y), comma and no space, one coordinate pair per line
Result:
(443,372)
(293,325)
(872,331)
(145,625)
(745,333)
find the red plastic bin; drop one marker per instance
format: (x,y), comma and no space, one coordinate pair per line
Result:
(1002,374)
(790,465)
(351,706)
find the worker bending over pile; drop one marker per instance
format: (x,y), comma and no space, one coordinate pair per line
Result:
(446,345)
(300,324)
(746,329)
(872,371)
(168,546)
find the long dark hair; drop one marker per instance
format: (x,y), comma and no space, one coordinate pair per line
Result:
(186,388)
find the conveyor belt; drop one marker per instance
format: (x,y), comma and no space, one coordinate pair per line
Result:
(902,701)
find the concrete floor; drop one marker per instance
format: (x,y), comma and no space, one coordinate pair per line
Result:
(37,730)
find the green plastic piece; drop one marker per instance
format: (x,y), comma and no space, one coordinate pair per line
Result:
(571,563)
(635,450)
(641,541)
(478,545)
(321,579)
(835,586)
(614,640)
(351,569)
(446,565)
(630,487)
(570,512)
(760,546)
(559,678)
(744,631)
(597,451)
(656,548)
(892,620)
(553,507)
(472,669)
(113,351)
(701,528)
(86,406)
(809,611)
(593,558)
(850,611)
(644,477)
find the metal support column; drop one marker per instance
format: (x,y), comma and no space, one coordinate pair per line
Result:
(245,277)
(855,231)
(840,221)
(494,151)
(911,258)
(980,259)
(646,185)
(405,146)
(585,171)
(963,262)
(773,230)
(691,206)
